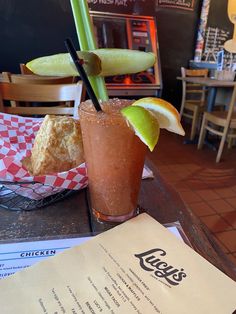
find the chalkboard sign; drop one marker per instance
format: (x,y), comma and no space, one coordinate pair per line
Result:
(178,4)
(219,30)
(218,16)
(214,42)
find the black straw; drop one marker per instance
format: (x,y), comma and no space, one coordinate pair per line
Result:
(78,63)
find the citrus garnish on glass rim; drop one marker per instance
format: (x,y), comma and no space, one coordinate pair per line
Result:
(144,124)
(147,115)
(167,115)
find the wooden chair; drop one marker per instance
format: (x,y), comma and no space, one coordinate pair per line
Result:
(193,99)
(57,80)
(35,79)
(221,123)
(41,93)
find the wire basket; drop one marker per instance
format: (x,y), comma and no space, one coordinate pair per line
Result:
(29,195)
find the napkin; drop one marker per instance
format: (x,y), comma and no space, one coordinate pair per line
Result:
(17,136)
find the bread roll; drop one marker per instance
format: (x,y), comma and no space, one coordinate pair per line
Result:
(58,146)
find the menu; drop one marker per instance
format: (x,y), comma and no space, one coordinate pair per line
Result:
(136,267)
(19,255)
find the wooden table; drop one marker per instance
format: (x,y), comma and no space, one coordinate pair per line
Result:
(212,85)
(71,217)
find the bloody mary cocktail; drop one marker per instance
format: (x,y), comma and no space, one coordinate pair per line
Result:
(114,158)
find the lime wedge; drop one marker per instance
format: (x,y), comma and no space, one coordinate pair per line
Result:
(62,64)
(102,62)
(144,124)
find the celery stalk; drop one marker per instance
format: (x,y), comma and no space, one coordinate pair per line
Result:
(87,41)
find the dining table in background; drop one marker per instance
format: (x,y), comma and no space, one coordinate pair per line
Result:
(212,84)
(72,217)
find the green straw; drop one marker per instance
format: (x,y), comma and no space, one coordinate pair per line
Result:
(87,41)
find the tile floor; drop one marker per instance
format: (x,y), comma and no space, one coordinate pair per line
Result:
(209,189)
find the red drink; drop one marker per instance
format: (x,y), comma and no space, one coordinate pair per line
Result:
(114,157)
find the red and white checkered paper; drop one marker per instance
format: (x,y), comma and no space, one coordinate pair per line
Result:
(17,136)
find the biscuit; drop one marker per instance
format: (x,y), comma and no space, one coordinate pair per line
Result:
(58,146)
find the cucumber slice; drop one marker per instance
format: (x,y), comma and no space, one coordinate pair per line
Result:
(103,62)
(62,64)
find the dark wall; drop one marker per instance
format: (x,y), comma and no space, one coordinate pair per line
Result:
(177,30)
(33,28)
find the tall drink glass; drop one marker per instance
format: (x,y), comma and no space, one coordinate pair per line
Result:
(114,158)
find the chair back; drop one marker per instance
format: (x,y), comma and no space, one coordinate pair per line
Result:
(191,92)
(35,79)
(41,93)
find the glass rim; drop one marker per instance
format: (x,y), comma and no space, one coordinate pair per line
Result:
(82,107)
